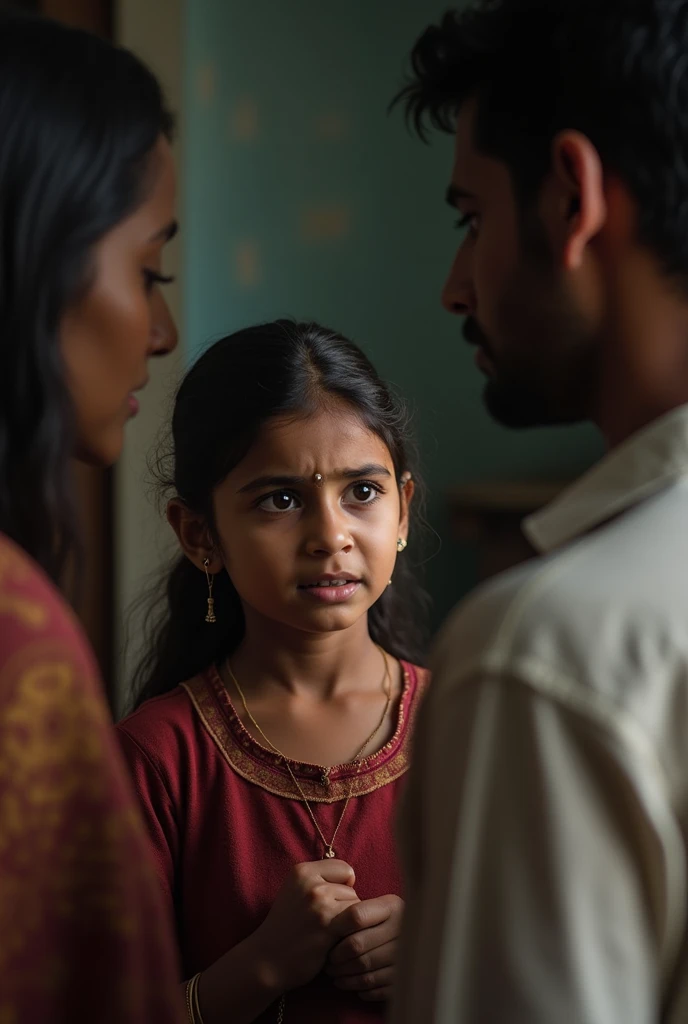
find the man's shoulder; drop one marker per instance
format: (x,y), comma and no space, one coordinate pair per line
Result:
(476,628)
(606,614)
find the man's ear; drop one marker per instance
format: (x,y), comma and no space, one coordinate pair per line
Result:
(576,207)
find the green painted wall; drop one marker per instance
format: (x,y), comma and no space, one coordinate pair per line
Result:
(304,198)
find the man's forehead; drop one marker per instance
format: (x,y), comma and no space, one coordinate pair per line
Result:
(474,172)
(465,153)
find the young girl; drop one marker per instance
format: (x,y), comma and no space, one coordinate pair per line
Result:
(280,690)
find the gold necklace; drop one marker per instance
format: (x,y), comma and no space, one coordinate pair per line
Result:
(329,847)
(387,689)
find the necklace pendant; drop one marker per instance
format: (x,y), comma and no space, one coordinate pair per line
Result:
(329,853)
(324,779)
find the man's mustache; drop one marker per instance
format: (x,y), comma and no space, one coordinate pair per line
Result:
(474,335)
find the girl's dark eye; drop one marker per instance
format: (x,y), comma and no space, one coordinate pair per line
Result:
(279,501)
(364,493)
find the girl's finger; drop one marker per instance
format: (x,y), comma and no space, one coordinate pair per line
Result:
(371,981)
(337,871)
(374,959)
(378,995)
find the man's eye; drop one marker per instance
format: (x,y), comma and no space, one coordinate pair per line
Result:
(467,220)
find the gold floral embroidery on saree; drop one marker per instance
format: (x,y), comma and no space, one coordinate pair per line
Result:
(65,830)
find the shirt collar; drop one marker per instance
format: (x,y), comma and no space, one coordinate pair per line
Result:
(643,465)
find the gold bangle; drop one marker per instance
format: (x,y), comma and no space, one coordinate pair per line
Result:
(192,1000)
(189,1007)
(196,1003)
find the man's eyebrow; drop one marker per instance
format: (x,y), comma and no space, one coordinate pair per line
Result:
(455,194)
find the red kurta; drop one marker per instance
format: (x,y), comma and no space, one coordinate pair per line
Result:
(84,935)
(227,828)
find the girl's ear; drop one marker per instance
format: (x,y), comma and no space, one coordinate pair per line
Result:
(193,534)
(406,492)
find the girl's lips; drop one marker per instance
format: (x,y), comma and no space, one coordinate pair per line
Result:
(331,594)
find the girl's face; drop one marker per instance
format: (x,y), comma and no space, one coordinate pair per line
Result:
(312,555)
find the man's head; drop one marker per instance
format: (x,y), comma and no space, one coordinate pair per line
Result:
(571,175)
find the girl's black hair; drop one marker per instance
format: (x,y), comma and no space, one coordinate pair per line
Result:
(240,383)
(78,121)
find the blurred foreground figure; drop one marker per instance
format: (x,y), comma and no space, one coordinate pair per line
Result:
(546,822)
(86,205)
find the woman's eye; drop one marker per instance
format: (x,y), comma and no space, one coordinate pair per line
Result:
(153,278)
(279,501)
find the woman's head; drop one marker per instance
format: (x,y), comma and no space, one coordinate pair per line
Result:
(289,468)
(86,206)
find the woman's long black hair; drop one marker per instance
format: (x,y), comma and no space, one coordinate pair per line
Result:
(78,121)
(240,383)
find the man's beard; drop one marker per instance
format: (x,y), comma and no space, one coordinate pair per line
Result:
(527,392)
(510,395)
(545,373)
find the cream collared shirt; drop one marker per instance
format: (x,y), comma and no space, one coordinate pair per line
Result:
(545,827)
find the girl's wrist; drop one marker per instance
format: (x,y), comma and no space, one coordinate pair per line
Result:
(240,985)
(265,967)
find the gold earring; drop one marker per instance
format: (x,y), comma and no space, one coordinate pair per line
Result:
(401,544)
(210,614)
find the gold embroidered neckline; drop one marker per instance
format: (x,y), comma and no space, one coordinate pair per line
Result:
(346,767)
(263,767)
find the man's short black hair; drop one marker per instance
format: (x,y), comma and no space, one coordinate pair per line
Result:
(615,70)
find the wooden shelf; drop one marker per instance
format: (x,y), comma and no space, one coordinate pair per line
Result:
(517,497)
(487,516)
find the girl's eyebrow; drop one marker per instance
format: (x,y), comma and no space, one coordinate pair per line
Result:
(282,480)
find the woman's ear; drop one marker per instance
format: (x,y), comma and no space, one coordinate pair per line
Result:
(193,534)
